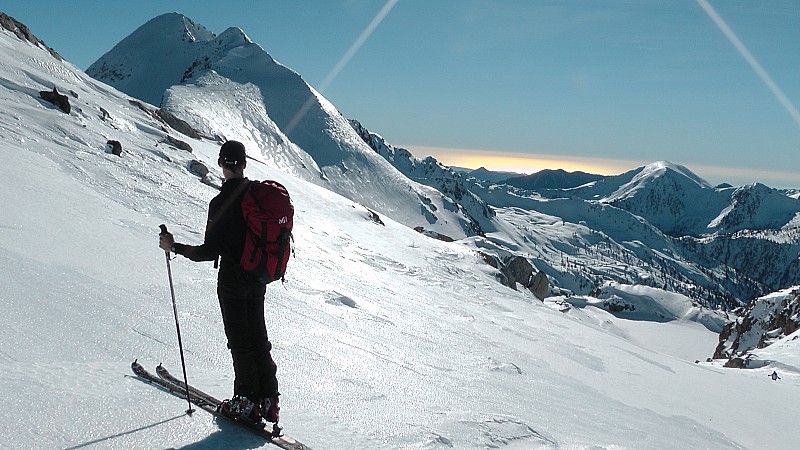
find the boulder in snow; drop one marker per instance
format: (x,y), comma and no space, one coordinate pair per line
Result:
(61,101)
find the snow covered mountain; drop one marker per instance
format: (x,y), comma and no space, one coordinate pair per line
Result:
(384,337)
(281,119)
(431,172)
(227,86)
(722,246)
(679,203)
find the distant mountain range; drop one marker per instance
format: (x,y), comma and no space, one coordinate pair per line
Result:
(552,179)
(485,174)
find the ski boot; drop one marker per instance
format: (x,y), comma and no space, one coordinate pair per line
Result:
(242,408)
(270,411)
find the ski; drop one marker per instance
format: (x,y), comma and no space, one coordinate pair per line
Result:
(193,391)
(165,385)
(210,404)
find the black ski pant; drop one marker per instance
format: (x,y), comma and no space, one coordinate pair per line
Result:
(242,308)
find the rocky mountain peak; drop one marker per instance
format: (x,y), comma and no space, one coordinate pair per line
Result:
(22,32)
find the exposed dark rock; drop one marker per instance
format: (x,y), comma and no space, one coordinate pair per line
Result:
(434,234)
(736,363)
(518,270)
(169,119)
(373,216)
(179,125)
(141,106)
(489,259)
(198,168)
(61,101)
(114,147)
(616,306)
(540,285)
(178,143)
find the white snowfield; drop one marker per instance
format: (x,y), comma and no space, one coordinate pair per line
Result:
(384,338)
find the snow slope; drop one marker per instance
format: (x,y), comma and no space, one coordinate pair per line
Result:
(644,303)
(384,338)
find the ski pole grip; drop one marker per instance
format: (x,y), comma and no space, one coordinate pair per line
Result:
(163,229)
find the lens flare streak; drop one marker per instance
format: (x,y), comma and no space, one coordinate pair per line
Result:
(759,70)
(337,68)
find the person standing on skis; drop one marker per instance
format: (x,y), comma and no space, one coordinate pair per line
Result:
(241,295)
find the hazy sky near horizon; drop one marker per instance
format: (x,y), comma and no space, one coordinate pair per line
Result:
(602,86)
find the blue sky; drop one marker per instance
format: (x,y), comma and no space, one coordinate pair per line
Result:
(601,86)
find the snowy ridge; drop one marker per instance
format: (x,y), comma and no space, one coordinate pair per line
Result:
(757,207)
(781,354)
(430,172)
(647,175)
(137,60)
(484,174)
(219,107)
(299,118)
(678,202)
(552,179)
(12,25)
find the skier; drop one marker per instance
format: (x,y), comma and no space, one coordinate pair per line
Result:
(775,376)
(241,296)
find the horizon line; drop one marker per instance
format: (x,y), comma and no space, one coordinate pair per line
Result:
(529,163)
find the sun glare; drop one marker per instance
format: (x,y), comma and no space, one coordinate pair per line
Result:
(522,162)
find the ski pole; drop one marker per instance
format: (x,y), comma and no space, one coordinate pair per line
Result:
(177,325)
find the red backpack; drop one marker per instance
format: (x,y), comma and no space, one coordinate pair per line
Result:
(268,214)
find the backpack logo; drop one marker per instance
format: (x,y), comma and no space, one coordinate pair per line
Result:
(268,214)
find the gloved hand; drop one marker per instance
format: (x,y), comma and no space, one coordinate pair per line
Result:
(165,239)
